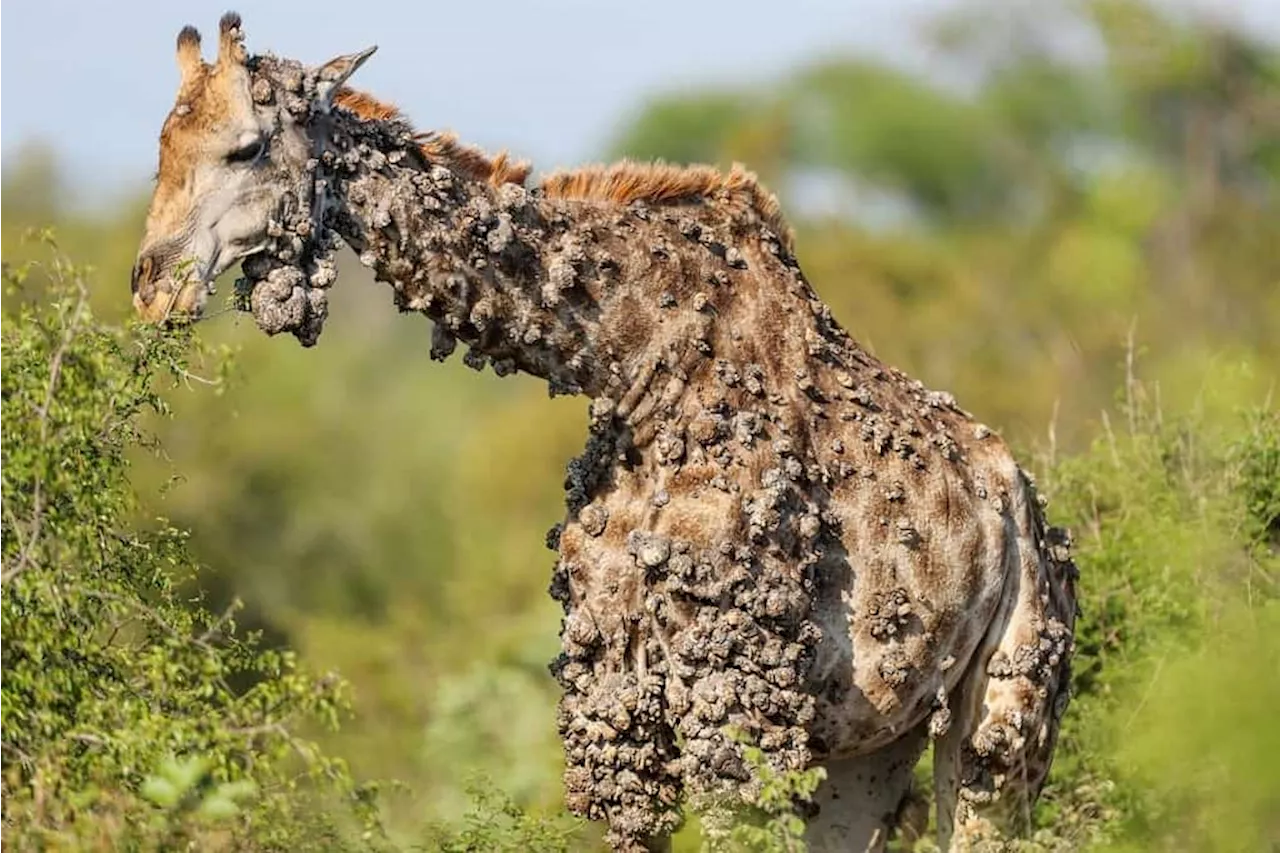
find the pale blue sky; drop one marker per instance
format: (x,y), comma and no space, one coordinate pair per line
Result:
(549,79)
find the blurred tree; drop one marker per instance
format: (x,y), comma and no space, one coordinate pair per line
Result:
(31,189)
(1083,170)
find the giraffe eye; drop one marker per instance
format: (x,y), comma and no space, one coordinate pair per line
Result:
(249,152)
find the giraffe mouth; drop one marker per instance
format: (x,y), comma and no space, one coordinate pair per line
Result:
(170,305)
(181,294)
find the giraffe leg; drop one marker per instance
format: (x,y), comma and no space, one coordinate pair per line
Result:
(992,760)
(861,799)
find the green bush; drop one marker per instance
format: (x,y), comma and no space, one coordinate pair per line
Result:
(1169,743)
(495,823)
(133,717)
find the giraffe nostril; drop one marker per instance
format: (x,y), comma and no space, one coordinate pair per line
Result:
(142,284)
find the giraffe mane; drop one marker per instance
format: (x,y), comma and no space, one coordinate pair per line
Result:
(621,183)
(471,161)
(668,183)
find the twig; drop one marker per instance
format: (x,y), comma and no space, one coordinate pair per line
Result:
(216,628)
(1095,521)
(262,729)
(188,375)
(23,757)
(149,614)
(1053,433)
(42,416)
(1146,694)
(1129,382)
(17,528)
(210,315)
(1111,437)
(115,631)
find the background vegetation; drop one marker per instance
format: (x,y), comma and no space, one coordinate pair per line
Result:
(1079,200)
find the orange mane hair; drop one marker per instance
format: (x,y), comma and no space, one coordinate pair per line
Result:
(621,183)
(469,160)
(667,183)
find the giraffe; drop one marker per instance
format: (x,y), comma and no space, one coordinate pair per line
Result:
(769,531)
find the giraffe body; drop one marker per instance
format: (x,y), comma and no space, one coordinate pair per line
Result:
(769,529)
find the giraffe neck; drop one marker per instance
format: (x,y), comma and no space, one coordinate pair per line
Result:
(638,288)
(623,303)
(492,267)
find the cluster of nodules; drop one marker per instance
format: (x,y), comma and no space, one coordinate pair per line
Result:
(725,634)
(285,285)
(1001,742)
(507,305)
(620,752)
(736,656)
(477,262)
(286,288)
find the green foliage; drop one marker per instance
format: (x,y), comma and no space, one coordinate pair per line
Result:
(1203,747)
(181,786)
(690,129)
(1168,744)
(471,725)
(108,671)
(495,823)
(773,824)
(1255,460)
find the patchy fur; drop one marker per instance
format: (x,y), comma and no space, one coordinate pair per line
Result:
(667,183)
(469,160)
(768,529)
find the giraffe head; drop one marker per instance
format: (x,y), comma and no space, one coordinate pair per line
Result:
(233,152)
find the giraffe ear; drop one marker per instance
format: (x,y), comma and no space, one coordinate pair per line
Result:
(334,73)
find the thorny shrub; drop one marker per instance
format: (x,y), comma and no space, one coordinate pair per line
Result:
(133,717)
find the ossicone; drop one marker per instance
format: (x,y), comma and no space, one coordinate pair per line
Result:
(229,23)
(190,62)
(230,40)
